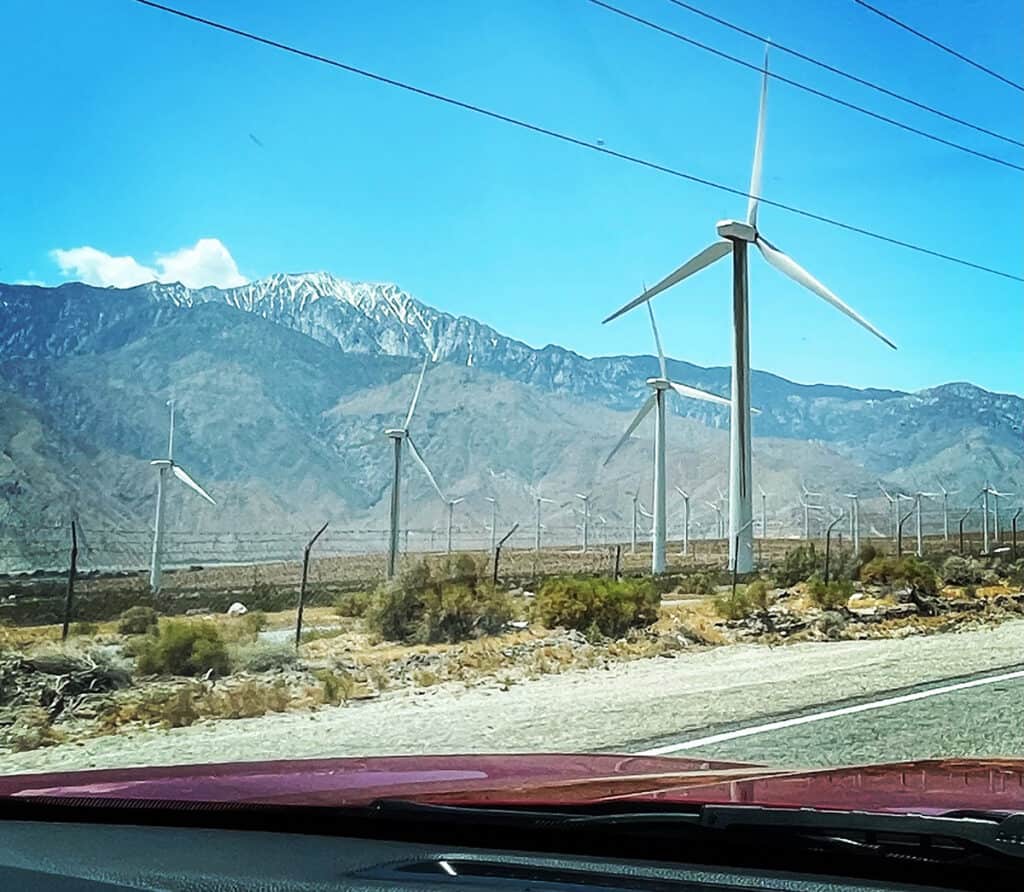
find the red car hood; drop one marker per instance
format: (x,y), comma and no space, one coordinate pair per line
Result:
(930,786)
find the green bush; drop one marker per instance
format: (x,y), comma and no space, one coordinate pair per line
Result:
(800,563)
(701,584)
(352,604)
(254,622)
(137,621)
(604,605)
(831,595)
(183,648)
(867,554)
(423,607)
(910,570)
(958,570)
(758,594)
(735,606)
(83,628)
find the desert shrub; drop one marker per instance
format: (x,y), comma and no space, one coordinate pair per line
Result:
(247,700)
(990,577)
(970,591)
(352,604)
(422,607)
(958,570)
(800,563)
(32,729)
(253,622)
(701,584)
(734,606)
(758,594)
(336,685)
(867,553)
(463,568)
(829,595)
(609,606)
(263,657)
(183,648)
(83,628)
(831,623)
(910,570)
(137,620)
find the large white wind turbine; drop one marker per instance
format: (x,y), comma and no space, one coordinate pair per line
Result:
(659,387)
(918,496)
(585,498)
(734,237)
(996,496)
(163,465)
(539,500)
(398,436)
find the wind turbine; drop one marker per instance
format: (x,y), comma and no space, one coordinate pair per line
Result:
(163,465)
(734,238)
(656,401)
(918,496)
(718,512)
(854,520)
(634,496)
(398,435)
(451,503)
(946,493)
(764,512)
(539,500)
(996,496)
(686,519)
(808,507)
(585,498)
(494,521)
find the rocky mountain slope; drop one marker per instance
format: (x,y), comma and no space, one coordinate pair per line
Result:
(285,385)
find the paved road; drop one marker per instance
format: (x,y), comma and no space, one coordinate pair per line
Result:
(983,715)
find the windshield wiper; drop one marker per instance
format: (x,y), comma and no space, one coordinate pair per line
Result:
(934,838)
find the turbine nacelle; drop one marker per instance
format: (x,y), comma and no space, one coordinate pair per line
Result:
(735,229)
(396,433)
(659,383)
(161,463)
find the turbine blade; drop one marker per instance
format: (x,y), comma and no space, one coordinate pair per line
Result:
(695,394)
(416,394)
(640,416)
(709,255)
(183,476)
(419,459)
(682,492)
(657,341)
(755,174)
(787,265)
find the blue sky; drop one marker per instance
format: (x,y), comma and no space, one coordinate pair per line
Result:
(129,132)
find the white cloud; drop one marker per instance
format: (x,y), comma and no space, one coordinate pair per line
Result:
(98,268)
(207,262)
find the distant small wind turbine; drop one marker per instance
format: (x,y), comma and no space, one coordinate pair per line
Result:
(686,519)
(854,520)
(163,465)
(764,512)
(718,513)
(734,238)
(585,498)
(656,401)
(996,496)
(946,493)
(539,500)
(918,496)
(494,521)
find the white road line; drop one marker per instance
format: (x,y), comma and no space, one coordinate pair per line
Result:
(829,714)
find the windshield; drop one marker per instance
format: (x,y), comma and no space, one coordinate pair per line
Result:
(448,380)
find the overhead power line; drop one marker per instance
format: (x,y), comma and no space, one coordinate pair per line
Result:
(576,141)
(948,49)
(739,29)
(821,94)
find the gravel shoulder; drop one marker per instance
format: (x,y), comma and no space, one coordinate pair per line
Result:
(625,707)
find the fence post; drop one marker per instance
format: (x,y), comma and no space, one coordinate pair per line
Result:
(302,586)
(962,519)
(1014,527)
(899,532)
(828,543)
(618,555)
(69,595)
(497,551)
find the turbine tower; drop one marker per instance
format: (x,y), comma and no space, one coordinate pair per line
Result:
(451,503)
(854,520)
(634,497)
(686,519)
(539,500)
(918,496)
(659,387)
(996,496)
(764,512)
(494,522)
(585,498)
(734,238)
(946,493)
(718,513)
(398,436)
(163,465)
